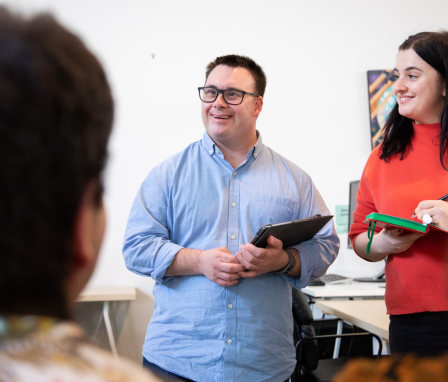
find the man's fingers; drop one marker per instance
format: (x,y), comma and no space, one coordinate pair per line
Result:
(249,274)
(249,260)
(230,267)
(274,242)
(227,276)
(226,283)
(246,265)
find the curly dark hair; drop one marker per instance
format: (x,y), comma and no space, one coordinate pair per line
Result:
(56,114)
(235,61)
(432,47)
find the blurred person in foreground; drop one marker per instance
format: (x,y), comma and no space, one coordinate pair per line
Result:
(56,113)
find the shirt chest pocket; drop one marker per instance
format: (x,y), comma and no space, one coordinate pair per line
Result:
(269,209)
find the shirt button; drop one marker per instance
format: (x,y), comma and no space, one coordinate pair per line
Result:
(229,341)
(232,237)
(230,306)
(234,173)
(233,204)
(210,151)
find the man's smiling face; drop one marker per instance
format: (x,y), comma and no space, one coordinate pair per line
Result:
(229,124)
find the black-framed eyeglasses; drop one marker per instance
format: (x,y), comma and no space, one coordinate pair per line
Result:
(231,96)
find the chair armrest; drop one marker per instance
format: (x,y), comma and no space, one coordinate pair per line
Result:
(325,320)
(327,336)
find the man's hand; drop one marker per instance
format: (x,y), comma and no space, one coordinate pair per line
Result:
(258,261)
(217,264)
(220,266)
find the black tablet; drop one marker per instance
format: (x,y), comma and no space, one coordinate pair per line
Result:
(292,232)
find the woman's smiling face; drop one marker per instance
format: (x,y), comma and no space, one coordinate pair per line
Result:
(419,88)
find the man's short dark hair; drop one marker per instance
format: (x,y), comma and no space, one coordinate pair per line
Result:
(56,113)
(235,61)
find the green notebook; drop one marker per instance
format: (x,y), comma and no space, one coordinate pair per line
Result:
(387,221)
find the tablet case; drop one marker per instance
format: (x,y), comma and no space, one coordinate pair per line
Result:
(292,232)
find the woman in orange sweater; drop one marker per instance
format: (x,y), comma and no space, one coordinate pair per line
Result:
(411,166)
(406,367)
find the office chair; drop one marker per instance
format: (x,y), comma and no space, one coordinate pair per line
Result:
(309,367)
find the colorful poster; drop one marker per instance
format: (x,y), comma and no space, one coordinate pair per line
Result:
(381,102)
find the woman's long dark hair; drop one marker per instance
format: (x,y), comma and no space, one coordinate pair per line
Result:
(432,47)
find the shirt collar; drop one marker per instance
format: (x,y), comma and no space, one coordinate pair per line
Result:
(212,148)
(208,144)
(256,150)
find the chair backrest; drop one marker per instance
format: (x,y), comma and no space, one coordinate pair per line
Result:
(307,354)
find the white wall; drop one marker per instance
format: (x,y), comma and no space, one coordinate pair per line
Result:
(315,54)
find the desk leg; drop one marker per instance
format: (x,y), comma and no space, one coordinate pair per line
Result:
(337,341)
(386,346)
(110,333)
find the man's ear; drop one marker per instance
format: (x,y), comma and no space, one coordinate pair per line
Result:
(88,229)
(87,239)
(258,106)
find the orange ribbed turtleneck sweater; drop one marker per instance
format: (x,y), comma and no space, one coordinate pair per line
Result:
(417,279)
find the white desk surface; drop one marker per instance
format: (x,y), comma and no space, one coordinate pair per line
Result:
(351,289)
(369,315)
(111,293)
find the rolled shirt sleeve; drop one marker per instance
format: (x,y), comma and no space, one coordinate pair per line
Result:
(147,248)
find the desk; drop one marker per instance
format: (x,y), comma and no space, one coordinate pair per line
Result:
(105,295)
(369,315)
(112,293)
(348,290)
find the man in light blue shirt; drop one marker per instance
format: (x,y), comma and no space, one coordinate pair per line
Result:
(222,306)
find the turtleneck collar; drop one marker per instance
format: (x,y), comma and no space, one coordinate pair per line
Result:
(429,134)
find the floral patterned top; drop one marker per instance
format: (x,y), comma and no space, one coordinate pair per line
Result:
(34,348)
(407,368)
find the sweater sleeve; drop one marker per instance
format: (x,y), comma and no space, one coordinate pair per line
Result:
(365,201)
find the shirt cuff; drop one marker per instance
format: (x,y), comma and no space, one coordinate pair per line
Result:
(167,253)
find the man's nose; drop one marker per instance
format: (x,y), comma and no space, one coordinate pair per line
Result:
(219,101)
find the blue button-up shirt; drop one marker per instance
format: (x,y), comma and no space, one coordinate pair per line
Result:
(199,329)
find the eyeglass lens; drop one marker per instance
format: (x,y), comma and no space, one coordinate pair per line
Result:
(231,96)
